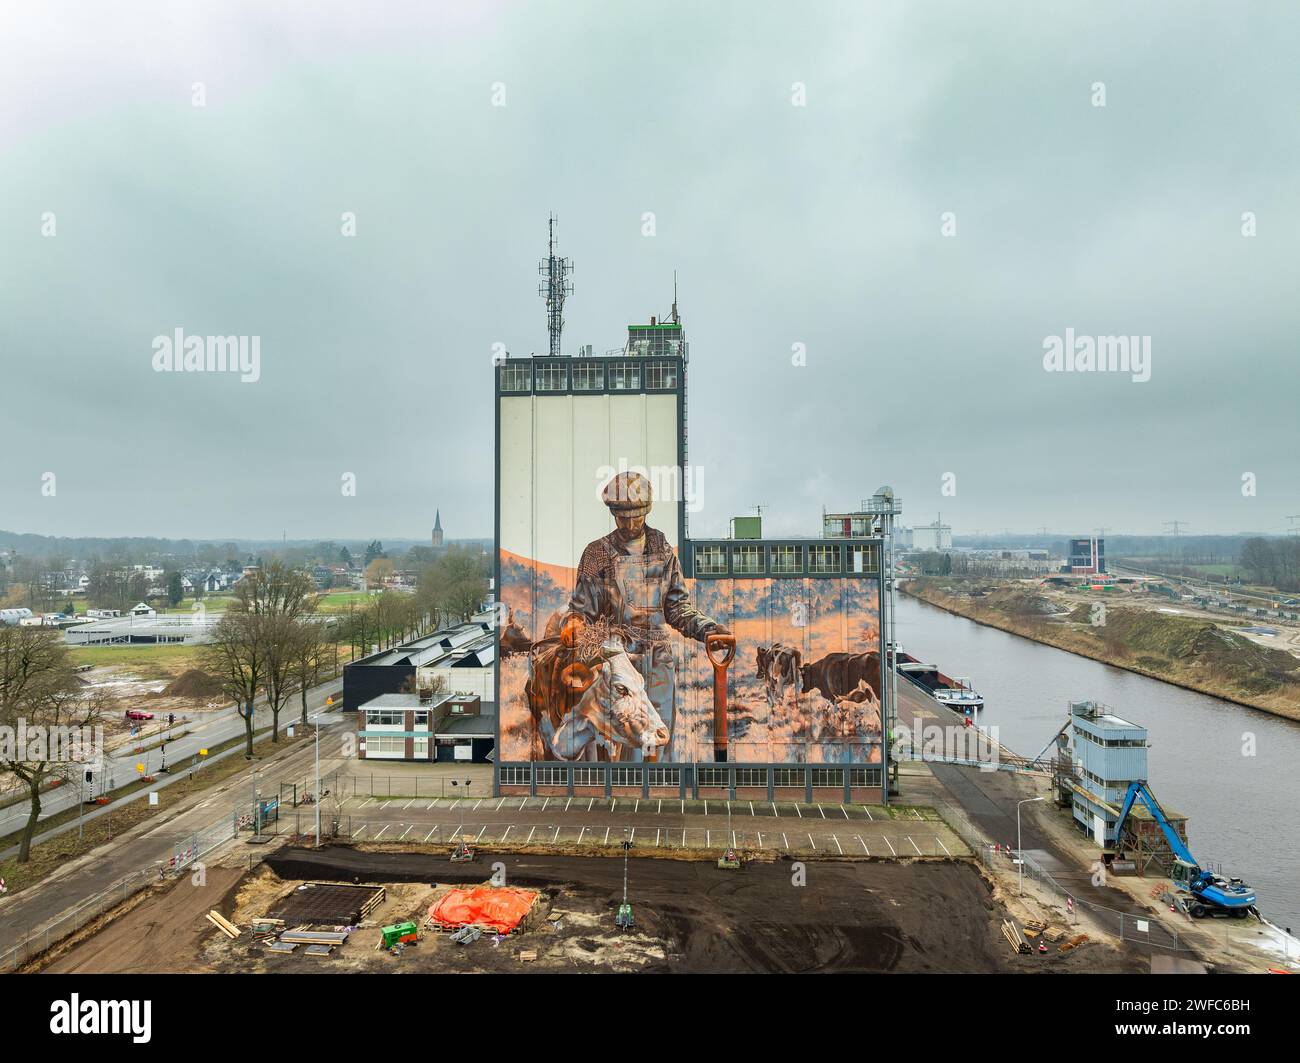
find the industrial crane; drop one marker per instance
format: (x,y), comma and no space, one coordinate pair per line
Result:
(1209,894)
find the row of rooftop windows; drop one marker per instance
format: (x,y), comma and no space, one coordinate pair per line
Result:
(544,377)
(818,559)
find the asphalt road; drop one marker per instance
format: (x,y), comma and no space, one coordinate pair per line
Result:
(211,731)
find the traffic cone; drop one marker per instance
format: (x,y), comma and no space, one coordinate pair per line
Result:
(1042,946)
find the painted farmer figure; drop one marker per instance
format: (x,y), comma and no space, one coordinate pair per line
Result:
(632,578)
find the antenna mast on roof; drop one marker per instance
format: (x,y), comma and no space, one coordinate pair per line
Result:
(555,289)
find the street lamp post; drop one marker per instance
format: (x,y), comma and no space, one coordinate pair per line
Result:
(316,721)
(1020,852)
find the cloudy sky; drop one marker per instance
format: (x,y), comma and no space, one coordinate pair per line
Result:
(126,212)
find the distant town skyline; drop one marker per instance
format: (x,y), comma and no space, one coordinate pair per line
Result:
(1031,267)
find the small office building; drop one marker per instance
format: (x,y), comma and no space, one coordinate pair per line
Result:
(447,727)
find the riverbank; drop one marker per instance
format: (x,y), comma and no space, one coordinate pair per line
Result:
(1194,654)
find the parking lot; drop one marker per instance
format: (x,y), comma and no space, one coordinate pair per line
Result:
(826,829)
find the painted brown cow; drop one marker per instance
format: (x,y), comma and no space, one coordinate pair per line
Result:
(778,665)
(837,674)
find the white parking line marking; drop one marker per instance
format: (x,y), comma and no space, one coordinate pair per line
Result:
(408,804)
(941,845)
(845,811)
(683,837)
(811,842)
(774,811)
(706,806)
(659,811)
(606,835)
(916,813)
(637,805)
(522,803)
(632,837)
(822,811)
(751,808)
(708,839)
(796,808)
(505,832)
(500,803)
(477,803)
(480,833)
(837,844)
(590,803)
(430,804)
(370,802)
(358,830)
(760,839)
(556,835)
(545,803)
(407,831)
(657,829)
(863,844)
(613,804)
(915,846)
(530,835)
(430,834)
(382,831)
(891,846)
(580,834)
(784,842)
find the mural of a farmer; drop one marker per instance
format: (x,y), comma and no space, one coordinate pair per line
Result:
(631,579)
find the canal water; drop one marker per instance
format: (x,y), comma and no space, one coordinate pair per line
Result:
(1243,811)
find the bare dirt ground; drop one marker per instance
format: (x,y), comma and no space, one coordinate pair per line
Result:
(932,916)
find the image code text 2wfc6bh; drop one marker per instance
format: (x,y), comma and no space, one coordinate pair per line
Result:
(634,660)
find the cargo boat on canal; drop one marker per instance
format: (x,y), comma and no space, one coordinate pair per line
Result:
(954,691)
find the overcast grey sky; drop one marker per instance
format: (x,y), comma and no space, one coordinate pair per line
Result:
(818,224)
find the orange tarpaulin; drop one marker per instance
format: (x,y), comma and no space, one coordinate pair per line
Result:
(497,909)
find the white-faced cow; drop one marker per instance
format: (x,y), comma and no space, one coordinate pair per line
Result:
(778,665)
(614,714)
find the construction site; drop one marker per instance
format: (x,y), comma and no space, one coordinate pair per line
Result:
(346,909)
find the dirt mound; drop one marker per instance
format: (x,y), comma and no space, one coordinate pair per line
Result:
(194,683)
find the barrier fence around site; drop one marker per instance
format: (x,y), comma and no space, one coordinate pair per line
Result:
(1130,927)
(288,814)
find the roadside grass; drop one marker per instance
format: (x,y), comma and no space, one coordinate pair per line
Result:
(49,856)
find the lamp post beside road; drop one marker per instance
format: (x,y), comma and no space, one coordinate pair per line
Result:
(316,722)
(1020,853)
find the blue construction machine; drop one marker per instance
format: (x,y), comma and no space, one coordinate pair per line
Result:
(1208,894)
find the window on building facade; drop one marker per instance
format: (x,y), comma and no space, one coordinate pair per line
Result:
(516,377)
(711,560)
(661,376)
(787,559)
(552,377)
(588,376)
(747,560)
(625,377)
(864,557)
(822,557)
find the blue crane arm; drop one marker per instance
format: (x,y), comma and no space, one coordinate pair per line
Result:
(1139,789)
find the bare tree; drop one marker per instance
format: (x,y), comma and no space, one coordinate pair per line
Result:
(47,712)
(247,651)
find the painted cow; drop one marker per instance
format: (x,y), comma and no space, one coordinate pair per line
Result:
(513,638)
(838,674)
(613,715)
(857,711)
(778,665)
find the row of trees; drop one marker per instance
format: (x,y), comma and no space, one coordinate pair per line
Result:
(269,643)
(1274,562)
(450,589)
